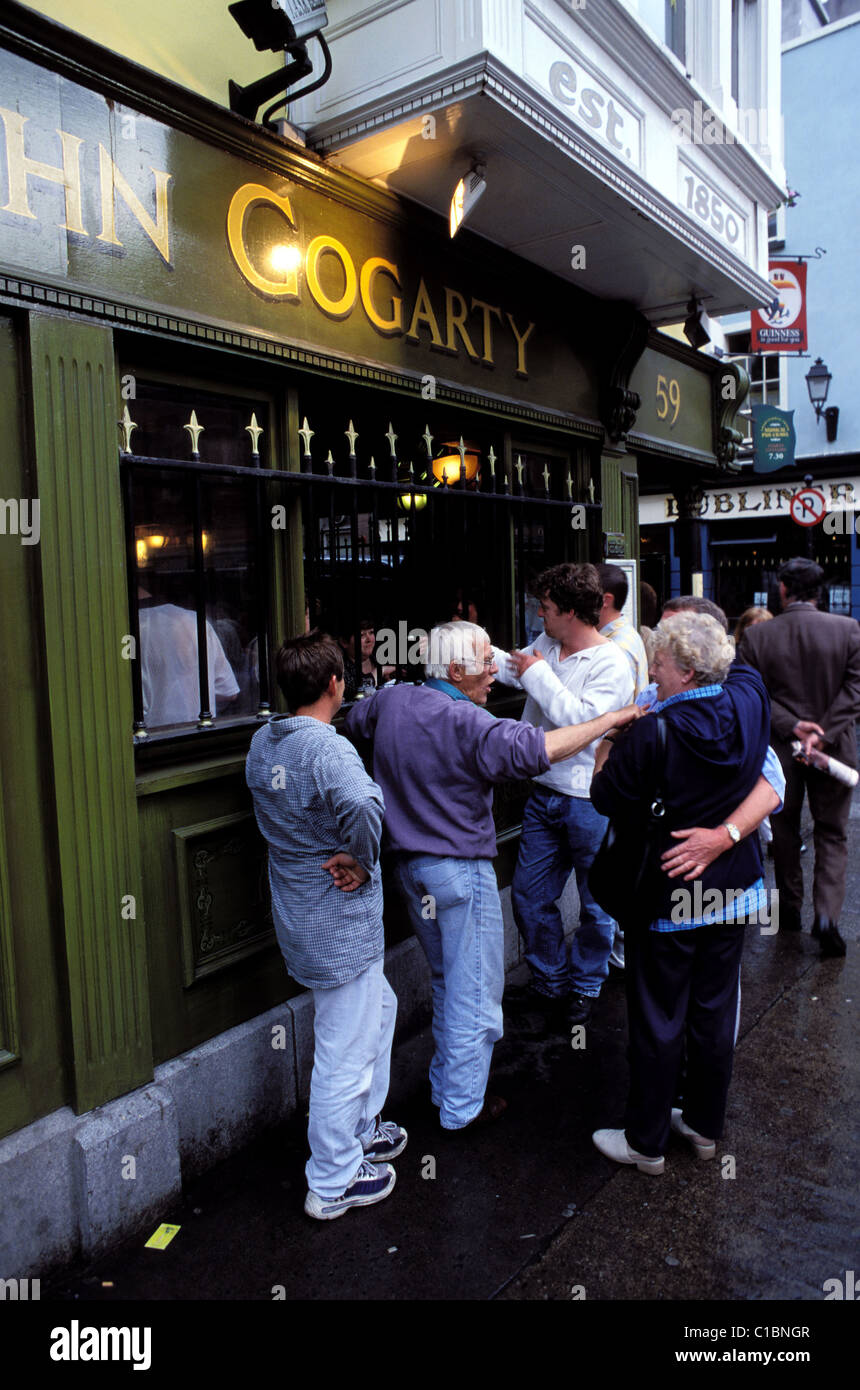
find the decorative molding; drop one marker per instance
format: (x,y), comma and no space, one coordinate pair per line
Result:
(622,340)
(652,67)
(82,557)
(728,437)
(222,878)
(647,444)
(83,303)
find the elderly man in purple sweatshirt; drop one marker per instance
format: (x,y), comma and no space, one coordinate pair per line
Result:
(437,754)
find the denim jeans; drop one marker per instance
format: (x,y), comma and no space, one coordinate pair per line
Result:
(560,833)
(353,1030)
(463,940)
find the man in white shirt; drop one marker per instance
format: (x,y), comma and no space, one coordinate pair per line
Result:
(570,674)
(615,626)
(169,666)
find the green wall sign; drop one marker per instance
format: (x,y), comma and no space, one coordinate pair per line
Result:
(98,196)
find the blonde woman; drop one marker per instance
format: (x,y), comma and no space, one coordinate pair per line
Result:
(748,618)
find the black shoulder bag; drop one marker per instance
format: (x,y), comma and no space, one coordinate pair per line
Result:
(625,878)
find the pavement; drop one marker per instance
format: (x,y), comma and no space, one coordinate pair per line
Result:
(526,1209)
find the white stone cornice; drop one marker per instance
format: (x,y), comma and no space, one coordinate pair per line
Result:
(653,68)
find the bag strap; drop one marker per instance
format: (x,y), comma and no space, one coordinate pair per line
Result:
(658,809)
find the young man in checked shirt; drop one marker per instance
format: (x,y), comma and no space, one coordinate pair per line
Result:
(322,818)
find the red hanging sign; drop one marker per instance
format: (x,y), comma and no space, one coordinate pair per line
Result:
(781,326)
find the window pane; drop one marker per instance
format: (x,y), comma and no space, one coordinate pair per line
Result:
(167,598)
(166,521)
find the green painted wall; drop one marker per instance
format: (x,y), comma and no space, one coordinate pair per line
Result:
(33,1079)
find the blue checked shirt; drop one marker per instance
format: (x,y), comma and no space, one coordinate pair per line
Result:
(313,798)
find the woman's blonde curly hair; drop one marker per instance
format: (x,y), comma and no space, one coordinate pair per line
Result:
(698,643)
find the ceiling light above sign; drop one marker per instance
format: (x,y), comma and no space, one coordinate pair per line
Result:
(466,195)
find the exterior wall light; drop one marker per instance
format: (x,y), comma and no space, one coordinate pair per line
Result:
(466,195)
(695,331)
(453,458)
(818,380)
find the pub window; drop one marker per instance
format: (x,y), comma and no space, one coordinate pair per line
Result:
(195,562)
(418,514)
(667,18)
(408,514)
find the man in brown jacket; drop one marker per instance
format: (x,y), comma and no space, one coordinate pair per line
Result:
(810,663)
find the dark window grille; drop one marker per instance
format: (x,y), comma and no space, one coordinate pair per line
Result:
(386,544)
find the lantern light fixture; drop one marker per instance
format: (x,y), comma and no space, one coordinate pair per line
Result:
(453,457)
(818,380)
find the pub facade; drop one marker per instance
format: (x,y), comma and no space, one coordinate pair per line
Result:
(246,390)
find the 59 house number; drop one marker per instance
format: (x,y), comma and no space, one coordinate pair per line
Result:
(668,399)
(711,209)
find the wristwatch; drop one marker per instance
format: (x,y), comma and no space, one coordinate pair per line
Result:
(734,833)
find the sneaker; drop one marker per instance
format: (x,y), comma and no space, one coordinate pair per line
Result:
(702,1147)
(388,1140)
(370,1184)
(613,1143)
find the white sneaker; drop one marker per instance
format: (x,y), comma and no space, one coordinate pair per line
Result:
(702,1147)
(613,1143)
(371,1184)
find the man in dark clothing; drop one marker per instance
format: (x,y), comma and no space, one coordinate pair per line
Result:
(810,663)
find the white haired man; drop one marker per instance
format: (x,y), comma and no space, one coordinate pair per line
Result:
(437,754)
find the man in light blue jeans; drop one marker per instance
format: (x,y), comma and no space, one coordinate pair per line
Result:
(438,788)
(464,945)
(561,833)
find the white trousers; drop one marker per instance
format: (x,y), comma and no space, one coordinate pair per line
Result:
(353,1030)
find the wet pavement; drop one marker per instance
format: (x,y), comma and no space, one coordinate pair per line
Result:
(526,1209)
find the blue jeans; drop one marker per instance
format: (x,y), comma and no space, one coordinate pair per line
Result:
(455,910)
(353,1030)
(560,833)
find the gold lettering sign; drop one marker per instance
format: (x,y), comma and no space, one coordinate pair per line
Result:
(20,168)
(467,322)
(249,196)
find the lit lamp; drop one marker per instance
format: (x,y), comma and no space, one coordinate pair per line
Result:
(412,501)
(407,501)
(447,463)
(466,195)
(146,541)
(818,380)
(286,258)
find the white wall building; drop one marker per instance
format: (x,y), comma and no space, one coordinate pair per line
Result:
(645,132)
